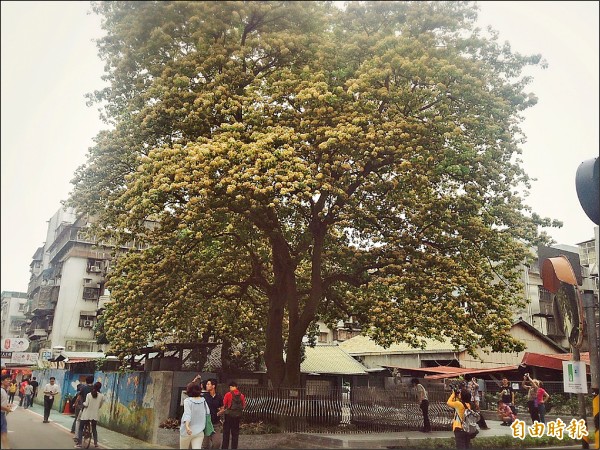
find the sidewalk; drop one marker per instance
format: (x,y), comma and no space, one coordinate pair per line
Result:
(106,438)
(109,439)
(392,439)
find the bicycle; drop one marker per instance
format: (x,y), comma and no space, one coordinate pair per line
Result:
(86,435)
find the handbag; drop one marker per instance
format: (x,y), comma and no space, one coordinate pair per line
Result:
(209,430)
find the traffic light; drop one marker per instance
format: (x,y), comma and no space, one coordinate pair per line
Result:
(587,183)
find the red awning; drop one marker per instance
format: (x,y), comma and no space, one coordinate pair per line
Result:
(553,361)
(464,370)
(441,372)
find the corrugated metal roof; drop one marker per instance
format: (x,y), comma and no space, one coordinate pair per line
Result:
(330,359)
(464,370)
(363,345)
(552,361)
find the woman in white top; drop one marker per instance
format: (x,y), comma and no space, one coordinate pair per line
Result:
(91,412)
(193,420)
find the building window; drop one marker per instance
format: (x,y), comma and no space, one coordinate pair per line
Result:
(94,265)
(323,337)
(90,293)
(87,319)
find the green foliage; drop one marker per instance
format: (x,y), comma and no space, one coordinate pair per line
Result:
(492,442)
(566,404)
(284,162)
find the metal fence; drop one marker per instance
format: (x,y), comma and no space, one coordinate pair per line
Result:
(373,409)
(356,410)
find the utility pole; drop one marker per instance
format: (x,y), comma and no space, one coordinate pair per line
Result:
(587,184)
(590,318)
(559,278)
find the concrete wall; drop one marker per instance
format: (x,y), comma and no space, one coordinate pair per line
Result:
(135,403)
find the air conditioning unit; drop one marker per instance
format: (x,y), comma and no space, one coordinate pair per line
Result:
(88,323)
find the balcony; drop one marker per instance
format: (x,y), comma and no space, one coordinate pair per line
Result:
(38,333)
(44,300)
(68,235)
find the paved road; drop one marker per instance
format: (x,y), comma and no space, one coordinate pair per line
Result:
(26,430)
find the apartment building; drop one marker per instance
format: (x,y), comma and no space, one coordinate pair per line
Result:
(13,314)
(66,287)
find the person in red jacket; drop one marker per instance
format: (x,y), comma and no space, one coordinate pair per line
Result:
(233,404)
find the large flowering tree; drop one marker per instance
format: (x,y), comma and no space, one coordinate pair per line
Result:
(302,162)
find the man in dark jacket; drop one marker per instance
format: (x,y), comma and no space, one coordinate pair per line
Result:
(214,402)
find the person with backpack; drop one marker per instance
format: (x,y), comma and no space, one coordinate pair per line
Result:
(233,404)
(473,387)
(464,423)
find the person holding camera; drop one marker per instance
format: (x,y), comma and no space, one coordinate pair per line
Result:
(507,394)
(459,401)
(532,388)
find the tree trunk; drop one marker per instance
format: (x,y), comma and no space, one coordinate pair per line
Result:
(274,347)
(284,293)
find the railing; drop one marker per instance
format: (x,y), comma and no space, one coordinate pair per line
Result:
(357,410)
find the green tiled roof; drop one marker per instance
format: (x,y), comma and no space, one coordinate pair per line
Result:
(363,345)
(330,359)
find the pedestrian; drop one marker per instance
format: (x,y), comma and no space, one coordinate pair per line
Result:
(22,385)
(473,386)
(82,391)
(233,404)
(531,398)
(28,401)
(214,402)
(5,410)
(50,391)
(12,390)
(193,420)
(460,400)
(423,402)
(35,385)
(505,414)
(507,394)
(542,397)
(90,412)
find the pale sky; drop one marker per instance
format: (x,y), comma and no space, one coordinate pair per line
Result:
(49,63)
